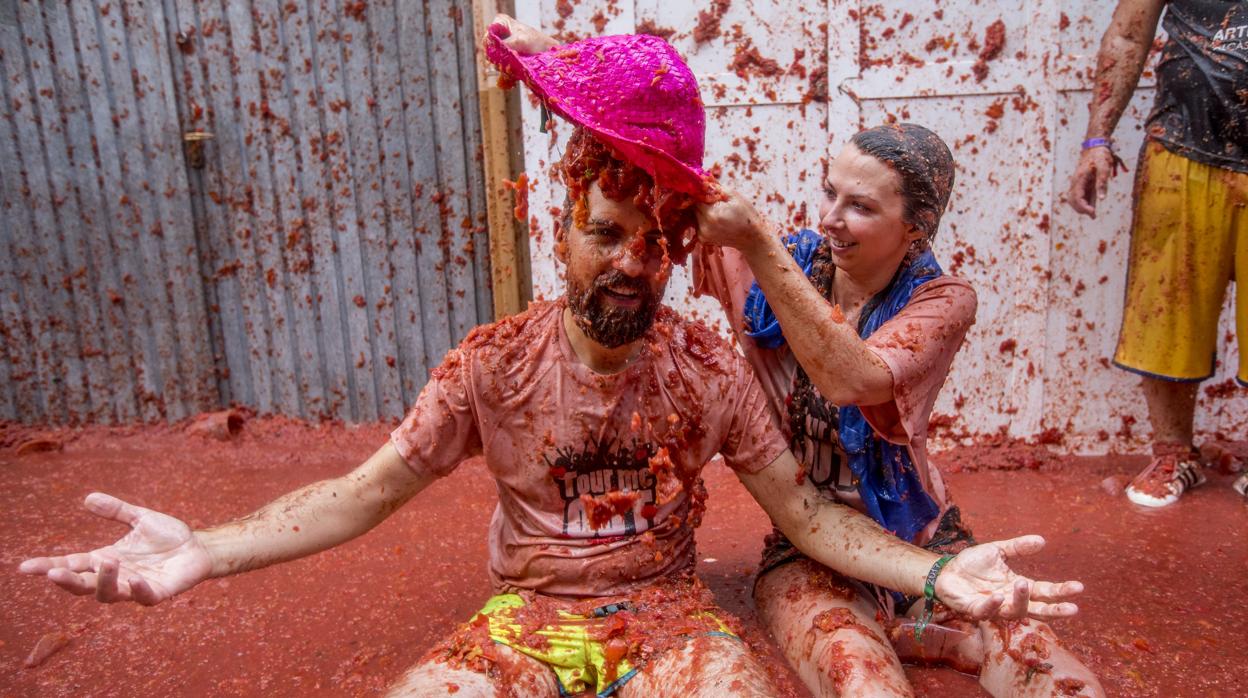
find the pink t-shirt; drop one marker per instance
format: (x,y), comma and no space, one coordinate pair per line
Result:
(599,486)
(917,345)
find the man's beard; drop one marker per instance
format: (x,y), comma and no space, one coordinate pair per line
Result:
(605,322)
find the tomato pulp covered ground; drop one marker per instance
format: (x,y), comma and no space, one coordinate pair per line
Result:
(1160,616)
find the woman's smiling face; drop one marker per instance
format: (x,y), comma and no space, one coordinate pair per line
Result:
(862,214)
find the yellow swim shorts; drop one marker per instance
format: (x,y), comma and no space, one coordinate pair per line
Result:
(587,651)
(1189,238)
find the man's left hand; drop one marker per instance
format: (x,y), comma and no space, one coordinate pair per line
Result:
(979,584)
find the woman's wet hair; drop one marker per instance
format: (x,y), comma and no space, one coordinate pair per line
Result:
(924,164)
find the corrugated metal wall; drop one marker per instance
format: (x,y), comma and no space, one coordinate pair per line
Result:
(328,252)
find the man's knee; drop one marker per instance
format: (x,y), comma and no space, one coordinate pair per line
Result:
(439,679)
(828,632)
(706,666)
(522,676)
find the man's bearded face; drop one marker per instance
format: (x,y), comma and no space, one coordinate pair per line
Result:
(617,271)
(602,316)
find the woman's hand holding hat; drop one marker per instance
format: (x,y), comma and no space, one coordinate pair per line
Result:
(732,221)
(520,37)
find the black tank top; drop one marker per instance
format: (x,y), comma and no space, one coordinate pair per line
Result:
(1201,110)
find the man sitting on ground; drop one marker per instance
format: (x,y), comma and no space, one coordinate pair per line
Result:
(595,414)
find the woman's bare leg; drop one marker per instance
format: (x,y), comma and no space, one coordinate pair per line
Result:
(1024,658)
(1012,658)
(708,666)
(828,633)
(509,673)
(957,644)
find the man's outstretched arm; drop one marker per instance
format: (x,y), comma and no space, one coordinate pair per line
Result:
(161,556)
(977,583)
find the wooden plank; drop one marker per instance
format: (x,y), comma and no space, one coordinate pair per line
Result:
(504,262)
(400,196)
(426,194)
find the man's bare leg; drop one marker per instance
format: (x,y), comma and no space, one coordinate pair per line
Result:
(708,666)
(828,633)
(1173,469)
(510,674)
(1171,407)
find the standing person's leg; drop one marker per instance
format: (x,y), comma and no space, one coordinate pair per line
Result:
(828,632)
(1171,409)
(1180,263)
(1239,213)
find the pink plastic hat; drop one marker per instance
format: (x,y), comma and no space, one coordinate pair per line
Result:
(633,92)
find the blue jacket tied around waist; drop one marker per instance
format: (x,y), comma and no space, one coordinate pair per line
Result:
(888,481)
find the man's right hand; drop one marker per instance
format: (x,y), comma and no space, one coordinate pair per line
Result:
(159,558)
(1091,180)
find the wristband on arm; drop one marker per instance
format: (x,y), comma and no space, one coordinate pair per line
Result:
(1108,145)
(929,597)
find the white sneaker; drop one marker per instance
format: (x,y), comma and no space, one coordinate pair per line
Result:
(1165,480)
(1241,486)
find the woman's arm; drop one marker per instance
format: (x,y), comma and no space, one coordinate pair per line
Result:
(840,364)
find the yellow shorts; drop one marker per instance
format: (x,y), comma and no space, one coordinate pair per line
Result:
(592,647)
(1188,240)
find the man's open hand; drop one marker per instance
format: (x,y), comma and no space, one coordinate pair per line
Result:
(979,584)
(158,558)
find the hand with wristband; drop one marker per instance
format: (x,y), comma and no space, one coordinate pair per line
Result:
(1097,164)
(979,584)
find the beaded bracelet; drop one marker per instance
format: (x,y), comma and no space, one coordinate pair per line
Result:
(929,596)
